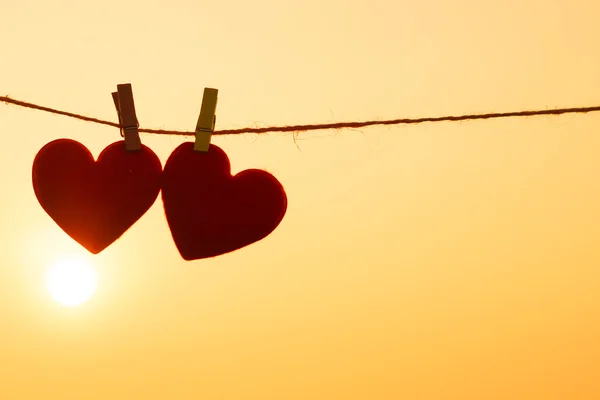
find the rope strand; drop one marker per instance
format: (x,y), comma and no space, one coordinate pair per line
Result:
(313,127)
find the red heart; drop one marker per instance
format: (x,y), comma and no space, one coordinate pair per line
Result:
(211,212)
(95,202)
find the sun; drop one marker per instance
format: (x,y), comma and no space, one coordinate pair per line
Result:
(71,281)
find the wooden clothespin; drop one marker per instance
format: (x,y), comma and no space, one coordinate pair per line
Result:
(123,99)
(207,120)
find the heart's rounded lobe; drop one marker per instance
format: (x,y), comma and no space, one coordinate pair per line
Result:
(209,211)
(95,202)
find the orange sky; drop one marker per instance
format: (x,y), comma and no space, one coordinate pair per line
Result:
(439,261)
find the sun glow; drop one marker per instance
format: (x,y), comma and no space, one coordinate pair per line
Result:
(71,282)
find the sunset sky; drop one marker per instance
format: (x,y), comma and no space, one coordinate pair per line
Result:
(422,262)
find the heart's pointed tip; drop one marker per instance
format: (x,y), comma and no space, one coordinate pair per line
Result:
(191,253)
(189,257)
(95,250)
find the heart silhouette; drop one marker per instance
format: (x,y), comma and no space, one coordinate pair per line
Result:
(95,202)
(209,211)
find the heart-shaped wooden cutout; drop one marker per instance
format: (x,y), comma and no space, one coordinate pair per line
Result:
(95,202)
(209,211)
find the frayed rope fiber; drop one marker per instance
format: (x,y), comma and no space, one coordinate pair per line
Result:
(314,127)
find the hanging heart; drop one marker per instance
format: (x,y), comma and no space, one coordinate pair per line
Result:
(95,202)
(209,211)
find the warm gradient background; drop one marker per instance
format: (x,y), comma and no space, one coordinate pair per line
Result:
(439,261)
